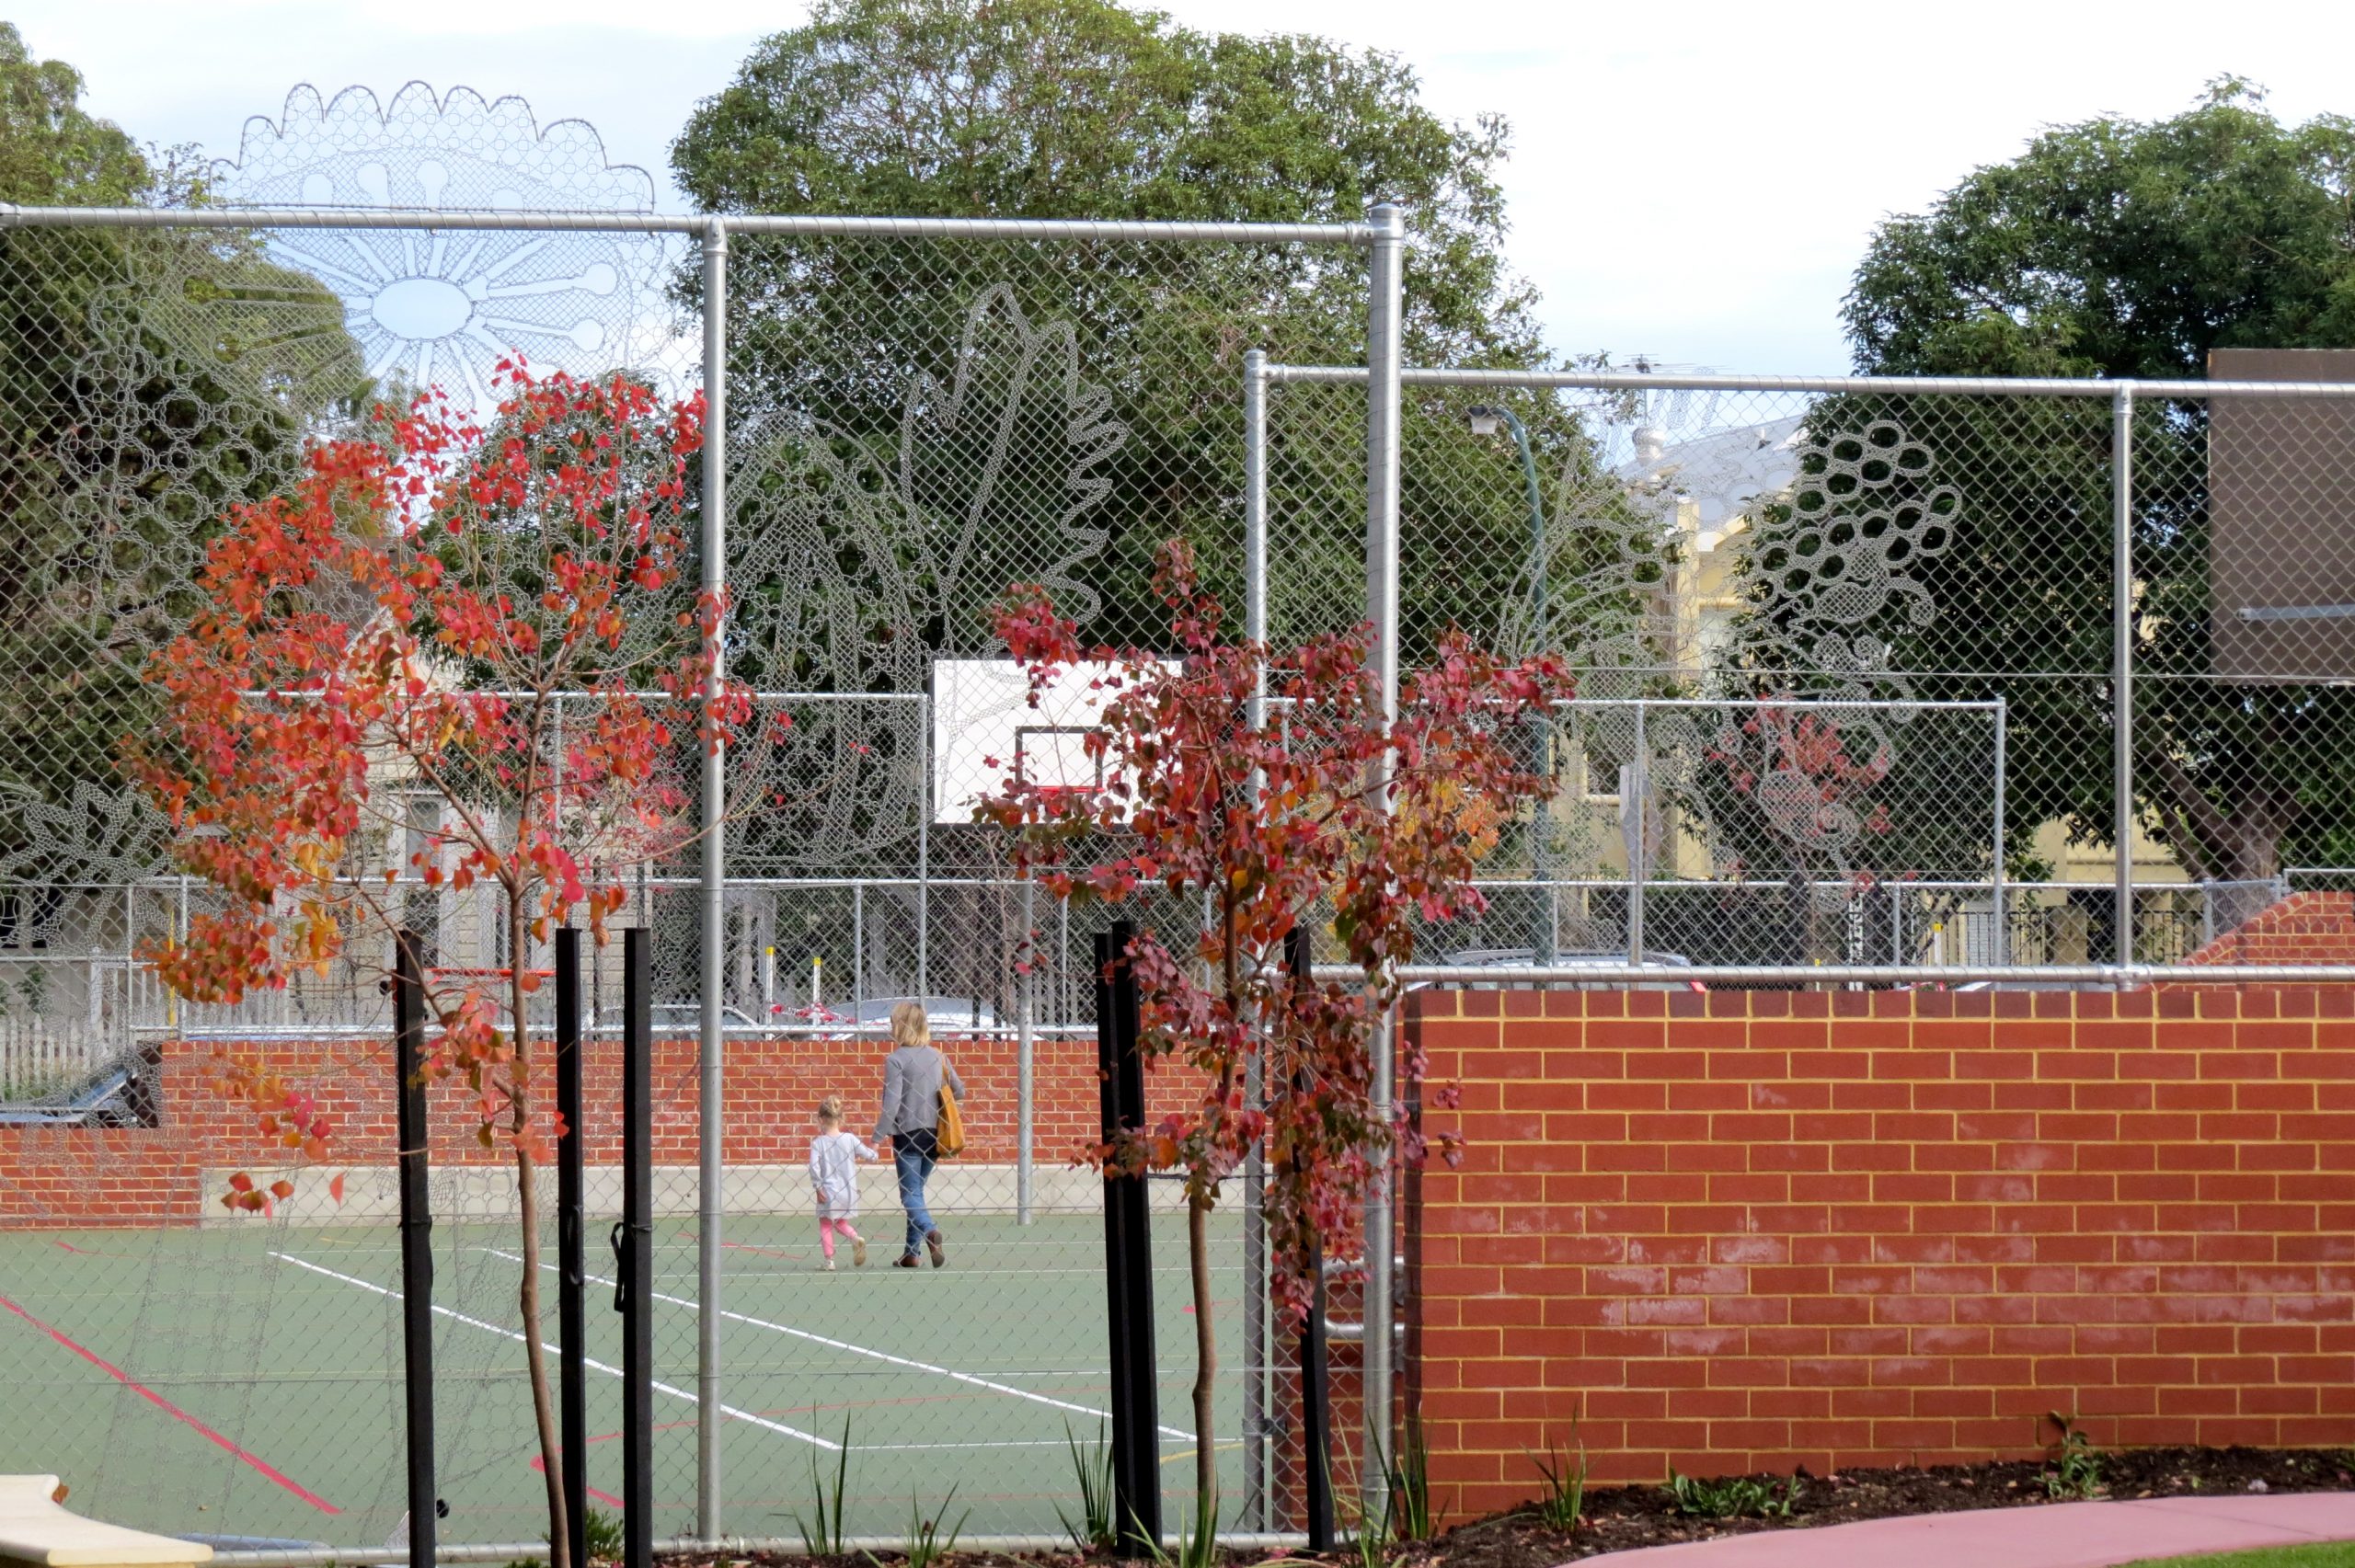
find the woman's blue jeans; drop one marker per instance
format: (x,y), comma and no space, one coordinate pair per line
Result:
(913,1155)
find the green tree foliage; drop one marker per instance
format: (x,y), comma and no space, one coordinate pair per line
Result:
(2118,248)
(53,153)
(147,380)
(1089,108)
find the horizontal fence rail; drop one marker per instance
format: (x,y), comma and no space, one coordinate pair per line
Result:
(1890,386)
(756,225)
(2022,975)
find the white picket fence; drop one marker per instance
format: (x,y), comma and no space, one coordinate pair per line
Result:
(41,1057)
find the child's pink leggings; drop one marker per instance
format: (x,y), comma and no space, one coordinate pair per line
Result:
(827,1229)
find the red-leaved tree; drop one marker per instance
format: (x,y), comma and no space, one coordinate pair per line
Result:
(1284,825)
(1803,802)
(490,622)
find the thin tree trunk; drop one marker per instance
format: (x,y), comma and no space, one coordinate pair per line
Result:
(528,1297)
(536,1355)
(1198,1259)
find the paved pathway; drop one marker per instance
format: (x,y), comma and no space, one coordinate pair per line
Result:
(2056,1535)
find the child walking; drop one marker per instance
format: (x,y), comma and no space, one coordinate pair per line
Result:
(834,1170)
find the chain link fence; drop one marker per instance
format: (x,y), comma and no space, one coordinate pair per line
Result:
(1854,662)
(917,415)
(2077,561)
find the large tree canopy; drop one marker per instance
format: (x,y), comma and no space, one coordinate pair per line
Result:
(2122,248)
(2118,248)
(918,424)
(52,152)
(1129,355)
(1088,108)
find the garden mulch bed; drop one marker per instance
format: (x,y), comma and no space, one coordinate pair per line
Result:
(1621,1518)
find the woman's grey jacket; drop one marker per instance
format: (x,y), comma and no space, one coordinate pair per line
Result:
(911,1077)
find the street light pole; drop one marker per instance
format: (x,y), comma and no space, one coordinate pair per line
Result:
(1485,418)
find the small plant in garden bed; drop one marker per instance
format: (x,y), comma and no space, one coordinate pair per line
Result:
(1409,1480)
(1733,1496)
(1369,1543)
(1197,1542)
(926,1546)
(601,1532)
(2075,1472)
(821,1536)
(1092,1466)
(1563,1504)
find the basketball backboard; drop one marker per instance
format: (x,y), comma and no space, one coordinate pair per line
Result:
(983,729)
(2281,485)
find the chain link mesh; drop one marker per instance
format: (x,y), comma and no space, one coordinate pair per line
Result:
(1848,693)
(914,424)
(1904,549)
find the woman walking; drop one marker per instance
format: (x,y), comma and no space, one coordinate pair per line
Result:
(912,1075)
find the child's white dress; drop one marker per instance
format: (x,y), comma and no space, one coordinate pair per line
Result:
(834,1170)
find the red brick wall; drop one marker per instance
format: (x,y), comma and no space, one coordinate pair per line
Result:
(69,1177)
(2305,928)
(1742,1231)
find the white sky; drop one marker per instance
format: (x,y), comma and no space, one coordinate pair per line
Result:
(1690,182)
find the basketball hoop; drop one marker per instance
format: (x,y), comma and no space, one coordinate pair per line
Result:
(1052,796)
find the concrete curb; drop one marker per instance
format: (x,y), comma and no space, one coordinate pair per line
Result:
(2058,1535)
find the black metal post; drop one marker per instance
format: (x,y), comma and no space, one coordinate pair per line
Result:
(571,1216)
(634,1249)
(416,1240)
(1315,1383)
(1128,1259)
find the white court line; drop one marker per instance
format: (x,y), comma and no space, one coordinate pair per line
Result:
(978,1382)
(678,1393)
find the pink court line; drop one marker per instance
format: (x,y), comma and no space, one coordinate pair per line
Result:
(174,1412)
(540,1464)
(86,1252)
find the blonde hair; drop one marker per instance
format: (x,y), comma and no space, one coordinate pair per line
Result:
(909,1025)
(830,1110)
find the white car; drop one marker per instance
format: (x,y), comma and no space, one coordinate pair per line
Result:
(1654,961)
(948,1015)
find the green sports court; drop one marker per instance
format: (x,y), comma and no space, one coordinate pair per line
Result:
(243,1380)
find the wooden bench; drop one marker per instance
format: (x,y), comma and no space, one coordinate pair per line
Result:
(37,1531)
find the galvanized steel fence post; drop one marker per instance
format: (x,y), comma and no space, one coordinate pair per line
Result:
(2002,953)
(710,1123)
(1639,788)
(924,854)
(1255,1235)
(1026,1059)
(1255,517)
(1384,305)
(2121,485)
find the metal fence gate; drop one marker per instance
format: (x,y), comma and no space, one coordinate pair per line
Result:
(905,416)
